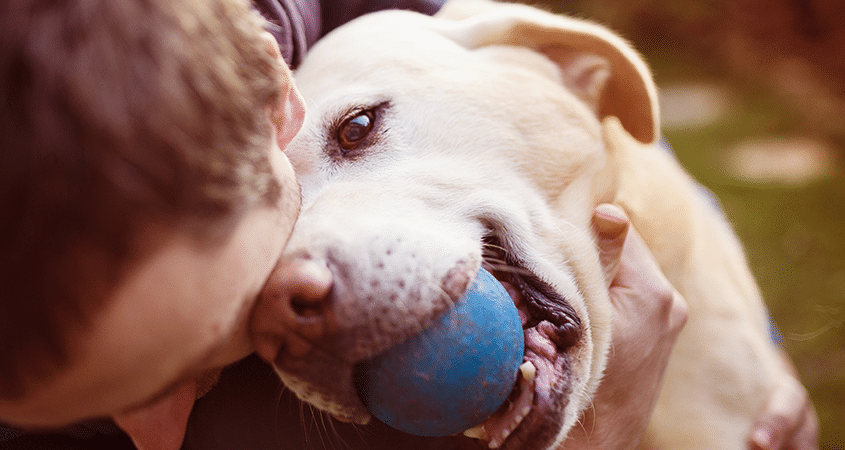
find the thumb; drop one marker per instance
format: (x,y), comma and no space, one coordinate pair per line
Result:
(611,225)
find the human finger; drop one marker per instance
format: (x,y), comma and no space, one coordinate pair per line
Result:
(641,293)
(787,420)
(611,226)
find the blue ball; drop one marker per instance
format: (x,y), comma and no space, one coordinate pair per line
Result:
(453,375)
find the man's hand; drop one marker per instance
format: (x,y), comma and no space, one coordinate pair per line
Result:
(648,314)
(788,420)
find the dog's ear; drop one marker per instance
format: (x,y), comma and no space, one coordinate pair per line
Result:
(598,65)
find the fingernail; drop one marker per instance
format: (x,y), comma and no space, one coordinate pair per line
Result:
(610,219)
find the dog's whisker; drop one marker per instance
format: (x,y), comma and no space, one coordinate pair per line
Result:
(507,269)
(493,246)
(358,432)
(307,425)
(318,430)
(315,424)
(291,402)
(590,409)
(571,229)
(494,260)
(327,422)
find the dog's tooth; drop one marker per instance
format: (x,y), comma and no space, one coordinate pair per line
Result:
(477,432)
(517,410)
(497,442)
(529,372)
(507,432)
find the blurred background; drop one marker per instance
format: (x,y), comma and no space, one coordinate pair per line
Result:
(753,103)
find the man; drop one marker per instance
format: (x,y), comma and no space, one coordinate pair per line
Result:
(144,195)
(145,200)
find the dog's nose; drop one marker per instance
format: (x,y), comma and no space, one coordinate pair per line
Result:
(292,312)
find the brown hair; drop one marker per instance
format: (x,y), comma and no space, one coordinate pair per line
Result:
(115,114)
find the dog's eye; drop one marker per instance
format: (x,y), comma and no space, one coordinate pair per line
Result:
(354,129)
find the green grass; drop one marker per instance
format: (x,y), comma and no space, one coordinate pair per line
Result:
(794,241)
(794,235)
(794,238)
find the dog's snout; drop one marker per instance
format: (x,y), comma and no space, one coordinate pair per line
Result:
(294,308)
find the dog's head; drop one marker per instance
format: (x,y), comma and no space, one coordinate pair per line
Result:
(433,145)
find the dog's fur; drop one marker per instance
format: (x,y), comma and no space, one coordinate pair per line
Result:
(506,124)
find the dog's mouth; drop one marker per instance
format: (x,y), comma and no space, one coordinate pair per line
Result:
(531,418)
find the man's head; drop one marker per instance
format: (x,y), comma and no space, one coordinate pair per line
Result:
(143,197)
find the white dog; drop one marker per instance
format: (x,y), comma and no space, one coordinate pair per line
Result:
(488,134)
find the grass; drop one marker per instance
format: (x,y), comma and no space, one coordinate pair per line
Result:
(795,246)
(794,236)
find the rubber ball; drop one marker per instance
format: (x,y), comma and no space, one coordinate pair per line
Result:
(453,375)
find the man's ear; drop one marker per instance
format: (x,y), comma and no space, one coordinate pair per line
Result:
(273,47)
(597,65)
(288,112)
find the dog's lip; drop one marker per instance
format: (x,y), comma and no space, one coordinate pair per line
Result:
(552,328)
(536,427)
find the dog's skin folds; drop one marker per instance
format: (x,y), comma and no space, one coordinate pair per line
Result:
(427,138)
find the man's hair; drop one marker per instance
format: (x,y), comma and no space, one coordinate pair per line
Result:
(116,115)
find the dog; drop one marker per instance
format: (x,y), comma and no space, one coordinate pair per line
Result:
(486,135)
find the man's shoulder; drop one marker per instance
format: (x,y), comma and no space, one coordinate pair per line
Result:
(337,12)
(70,440)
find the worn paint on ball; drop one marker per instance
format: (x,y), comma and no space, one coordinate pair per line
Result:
(456,373)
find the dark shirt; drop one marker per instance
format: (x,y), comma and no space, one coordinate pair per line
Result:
(297,24)
(249,409)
